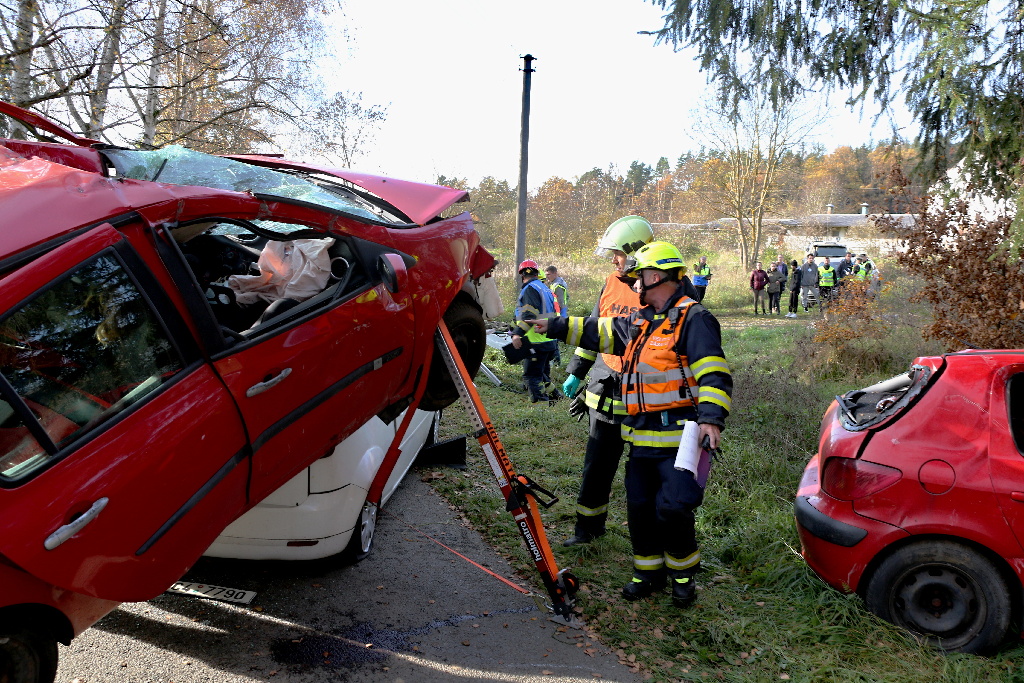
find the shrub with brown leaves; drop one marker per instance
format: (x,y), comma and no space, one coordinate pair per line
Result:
(972,269)
(852,333)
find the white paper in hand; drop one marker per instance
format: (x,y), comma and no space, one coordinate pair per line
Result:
(688,454)
(690,457)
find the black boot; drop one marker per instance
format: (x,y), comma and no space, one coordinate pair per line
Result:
(582,535)
(684,591)
(639,588)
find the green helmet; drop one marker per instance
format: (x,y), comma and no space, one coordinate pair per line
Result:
(659,255)
(627,234)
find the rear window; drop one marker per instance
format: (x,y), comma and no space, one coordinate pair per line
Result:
(867,407)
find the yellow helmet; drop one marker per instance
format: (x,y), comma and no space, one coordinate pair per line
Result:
(659,255)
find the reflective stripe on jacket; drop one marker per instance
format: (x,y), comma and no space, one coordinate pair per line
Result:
(700,341)
(656,377)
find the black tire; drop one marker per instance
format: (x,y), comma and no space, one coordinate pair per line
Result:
(361,543)
(947,594)
(27,655)
(466,324)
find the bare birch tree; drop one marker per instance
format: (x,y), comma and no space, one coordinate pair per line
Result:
(746,179)
(215,75)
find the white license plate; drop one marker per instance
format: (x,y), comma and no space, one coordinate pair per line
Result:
(205,590)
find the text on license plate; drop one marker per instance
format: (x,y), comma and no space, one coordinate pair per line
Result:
(205,590)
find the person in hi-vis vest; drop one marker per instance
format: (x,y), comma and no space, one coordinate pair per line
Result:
(535,302)
(673,372)
(602,393)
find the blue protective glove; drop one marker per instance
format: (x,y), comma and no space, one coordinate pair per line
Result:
(571,385)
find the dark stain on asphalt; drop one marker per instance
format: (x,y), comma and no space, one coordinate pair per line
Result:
(327,651)
(363,643)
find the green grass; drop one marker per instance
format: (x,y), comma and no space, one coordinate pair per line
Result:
(761,615)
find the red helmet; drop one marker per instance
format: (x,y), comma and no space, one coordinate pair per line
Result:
(529,265)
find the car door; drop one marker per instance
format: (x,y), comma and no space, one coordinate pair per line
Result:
(122,456)
(1006,444)
(305,383)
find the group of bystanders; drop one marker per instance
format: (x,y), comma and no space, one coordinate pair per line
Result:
(809,284)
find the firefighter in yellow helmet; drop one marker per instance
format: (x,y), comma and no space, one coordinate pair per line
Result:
(602,393)
(674,370)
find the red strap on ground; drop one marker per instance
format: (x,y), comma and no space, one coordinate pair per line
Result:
(451,550)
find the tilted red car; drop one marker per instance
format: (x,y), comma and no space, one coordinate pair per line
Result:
(147,399)
(915,499)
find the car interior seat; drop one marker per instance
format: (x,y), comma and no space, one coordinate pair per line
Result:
(275,309)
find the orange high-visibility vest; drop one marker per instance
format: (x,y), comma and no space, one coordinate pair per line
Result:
(617,299)
(655,375)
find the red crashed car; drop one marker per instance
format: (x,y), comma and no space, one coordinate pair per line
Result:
(915,499)
(180,335)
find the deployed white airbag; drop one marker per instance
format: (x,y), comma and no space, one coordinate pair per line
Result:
(297,269)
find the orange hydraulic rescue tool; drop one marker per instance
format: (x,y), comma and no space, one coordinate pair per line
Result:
(520,491)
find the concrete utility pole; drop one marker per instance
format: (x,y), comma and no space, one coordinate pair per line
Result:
(524,143)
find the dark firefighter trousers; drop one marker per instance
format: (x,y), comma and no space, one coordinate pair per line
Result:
(660,504)
(537,370)
(600,463)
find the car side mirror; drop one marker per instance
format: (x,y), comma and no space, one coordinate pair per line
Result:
(392,270)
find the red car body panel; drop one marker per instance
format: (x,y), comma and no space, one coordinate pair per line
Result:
(962,475)
(1005,461)
(44,124)
(81,611)
(82,158)
(196,453)
(103,560)
(841,567)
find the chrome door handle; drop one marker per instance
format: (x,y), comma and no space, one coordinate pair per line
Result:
(260,387)
(68,530)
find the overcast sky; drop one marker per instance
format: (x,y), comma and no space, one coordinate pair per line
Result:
(449,74)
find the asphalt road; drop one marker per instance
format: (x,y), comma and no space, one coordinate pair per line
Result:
(411,611)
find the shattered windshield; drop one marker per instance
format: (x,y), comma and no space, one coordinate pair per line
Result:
(177,165)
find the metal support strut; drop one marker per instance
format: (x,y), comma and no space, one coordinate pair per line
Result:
(521,492)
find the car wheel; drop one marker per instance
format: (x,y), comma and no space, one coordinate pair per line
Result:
(947,594)
(361,543)
(27,656)
(466,324)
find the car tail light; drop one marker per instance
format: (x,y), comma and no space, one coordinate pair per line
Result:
(850,478)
